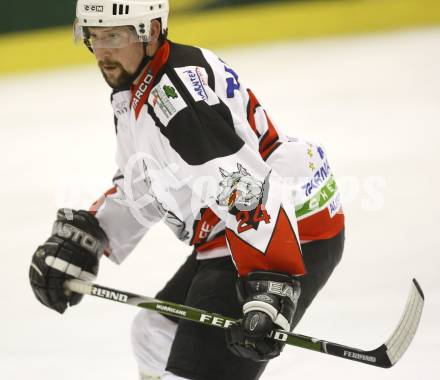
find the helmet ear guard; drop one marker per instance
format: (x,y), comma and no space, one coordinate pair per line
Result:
(112,13)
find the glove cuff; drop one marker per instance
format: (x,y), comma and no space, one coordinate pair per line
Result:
(263,306)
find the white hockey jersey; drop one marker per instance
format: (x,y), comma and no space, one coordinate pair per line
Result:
(196,150)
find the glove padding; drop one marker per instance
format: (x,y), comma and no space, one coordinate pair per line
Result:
(73,251)
(269,303)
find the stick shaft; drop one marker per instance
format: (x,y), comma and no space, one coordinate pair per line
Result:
(380,357)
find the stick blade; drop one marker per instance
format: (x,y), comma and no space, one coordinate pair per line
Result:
(404,333)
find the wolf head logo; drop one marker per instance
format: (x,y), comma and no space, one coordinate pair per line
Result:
(239,189)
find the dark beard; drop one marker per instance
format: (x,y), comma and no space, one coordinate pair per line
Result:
(123,80)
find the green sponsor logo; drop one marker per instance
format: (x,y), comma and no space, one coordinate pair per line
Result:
(318,200)
(170,92)
(161,101)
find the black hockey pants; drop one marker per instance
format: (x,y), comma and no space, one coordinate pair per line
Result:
(199,352)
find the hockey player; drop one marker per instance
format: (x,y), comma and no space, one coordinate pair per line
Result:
(196,150)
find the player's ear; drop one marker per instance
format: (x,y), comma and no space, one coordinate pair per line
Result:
(155,30)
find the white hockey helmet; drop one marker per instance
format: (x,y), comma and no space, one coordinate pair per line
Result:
(109,13)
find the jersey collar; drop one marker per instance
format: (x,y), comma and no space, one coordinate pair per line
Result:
(141,91)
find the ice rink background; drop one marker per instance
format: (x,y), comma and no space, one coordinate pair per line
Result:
(372,101)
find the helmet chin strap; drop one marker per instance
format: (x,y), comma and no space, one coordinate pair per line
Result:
(141,66)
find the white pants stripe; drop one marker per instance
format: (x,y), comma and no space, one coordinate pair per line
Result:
(152,336)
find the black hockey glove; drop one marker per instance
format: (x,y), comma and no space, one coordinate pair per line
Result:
(73,251)
(269,303)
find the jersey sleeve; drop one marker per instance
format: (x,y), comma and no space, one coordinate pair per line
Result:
(124,220)
(229,175)
(125,212)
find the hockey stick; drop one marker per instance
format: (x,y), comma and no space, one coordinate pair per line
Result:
(384,356)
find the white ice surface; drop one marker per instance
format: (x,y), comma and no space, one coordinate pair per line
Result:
(372,101)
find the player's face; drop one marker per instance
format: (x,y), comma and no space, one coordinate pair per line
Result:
(118,53)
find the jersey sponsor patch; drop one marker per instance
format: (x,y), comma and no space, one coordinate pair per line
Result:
(321,198)
(195,80)
(166,100)
(319,176)
(335,205)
